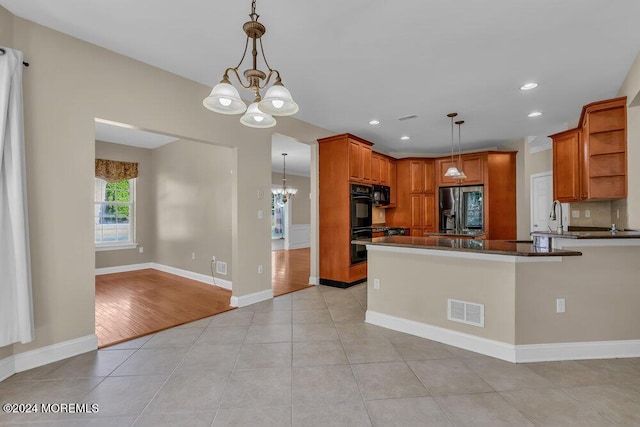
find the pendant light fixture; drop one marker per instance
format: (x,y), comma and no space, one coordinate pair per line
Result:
(285,192)
(452,172)
(225,98)
(461,175)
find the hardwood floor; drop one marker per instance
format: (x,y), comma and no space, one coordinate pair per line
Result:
(290,270)
(137,303)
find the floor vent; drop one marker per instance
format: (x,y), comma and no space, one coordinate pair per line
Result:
(465,312)
(221,267)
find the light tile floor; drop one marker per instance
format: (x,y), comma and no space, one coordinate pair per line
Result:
(308,359)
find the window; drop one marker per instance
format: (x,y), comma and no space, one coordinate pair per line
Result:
(114,213)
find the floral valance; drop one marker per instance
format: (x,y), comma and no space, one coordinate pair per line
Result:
(114,171)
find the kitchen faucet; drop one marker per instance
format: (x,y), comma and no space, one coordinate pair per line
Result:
(552,215)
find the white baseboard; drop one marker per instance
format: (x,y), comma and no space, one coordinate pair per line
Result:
(509,352)
(123,268)
(226,284)
(578,351)
(484,346)
(313,280)
(245,300)
(45,355)
(7,368)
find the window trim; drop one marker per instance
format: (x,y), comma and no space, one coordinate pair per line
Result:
(133,243)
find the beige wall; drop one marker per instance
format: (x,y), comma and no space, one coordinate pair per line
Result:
(6,28)
(192,204)
(600,289)
(601,293)
(301,203)
(69,84)
(416,287)
(631,89)
(145,217)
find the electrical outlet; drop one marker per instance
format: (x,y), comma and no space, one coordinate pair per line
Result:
(140,249)
(376,283)
(560,305)
(213,259)
(193,255)
(617,213)
(260,269)
(587,213)
(260,214)
(575,213)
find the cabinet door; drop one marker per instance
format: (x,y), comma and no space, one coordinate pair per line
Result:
(417,232)
(566,166)
(441,168)
(365,158)
(473,168)
(355,162)
(375,168)
(429,176)
(416,176)
(384,170)
(417,207)
(393,183)
(429,212)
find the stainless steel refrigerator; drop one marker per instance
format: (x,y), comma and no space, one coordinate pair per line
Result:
(461,209)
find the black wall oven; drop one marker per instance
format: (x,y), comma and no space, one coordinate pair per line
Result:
(361,205)
(361,220)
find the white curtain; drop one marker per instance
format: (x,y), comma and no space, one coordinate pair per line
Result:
(16,312)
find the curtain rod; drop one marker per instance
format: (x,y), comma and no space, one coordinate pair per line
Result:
(2,52)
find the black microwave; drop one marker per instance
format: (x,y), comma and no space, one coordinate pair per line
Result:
(381,195)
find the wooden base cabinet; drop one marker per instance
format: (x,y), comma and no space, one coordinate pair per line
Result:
(590,162)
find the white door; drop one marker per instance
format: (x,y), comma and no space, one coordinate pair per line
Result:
(541,200)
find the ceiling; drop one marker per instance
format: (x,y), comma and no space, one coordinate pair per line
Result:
(348,62)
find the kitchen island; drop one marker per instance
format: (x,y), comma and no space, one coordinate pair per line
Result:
(510,300)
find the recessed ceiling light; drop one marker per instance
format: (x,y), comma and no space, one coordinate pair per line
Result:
(405,138)
(535,114)
(374,122)
(529,86)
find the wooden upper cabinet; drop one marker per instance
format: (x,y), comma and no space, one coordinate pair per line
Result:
(472,165)
(384,170)
(566,166)
(416,176)
(375,168)
(442,165)
(473,168)
(359,161)
(590,162)
(421,176)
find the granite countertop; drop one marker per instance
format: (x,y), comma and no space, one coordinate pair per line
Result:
(468,233)
(589,234)
(497,247)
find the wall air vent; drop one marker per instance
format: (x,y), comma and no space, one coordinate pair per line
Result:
(409,117)
(221,267)
(465,312)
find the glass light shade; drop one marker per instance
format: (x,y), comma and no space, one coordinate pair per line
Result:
(461,175)
(225,99)
(278,102)
(255,118)
(452,172)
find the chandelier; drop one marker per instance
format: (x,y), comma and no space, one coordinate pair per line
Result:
(277,101)
(285,192)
